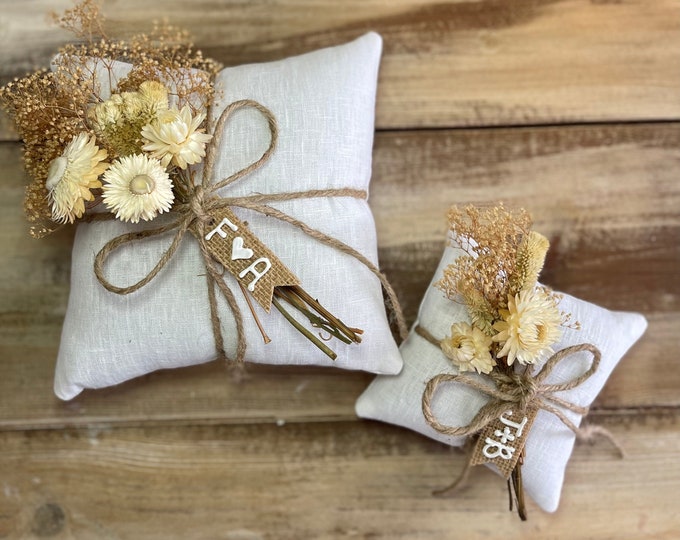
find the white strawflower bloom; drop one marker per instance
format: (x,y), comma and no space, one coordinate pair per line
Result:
(530,325)
(468,348)
(174,136)
(137,187)
(71,177)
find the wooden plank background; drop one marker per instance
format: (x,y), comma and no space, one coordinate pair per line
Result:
(570,108)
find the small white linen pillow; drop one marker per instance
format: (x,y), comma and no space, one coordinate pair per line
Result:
(398,399)
(324,103)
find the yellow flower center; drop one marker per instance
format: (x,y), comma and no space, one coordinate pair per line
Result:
(142,184)
(457,342)
(541,333)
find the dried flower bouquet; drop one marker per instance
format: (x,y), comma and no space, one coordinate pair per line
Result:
(132,148)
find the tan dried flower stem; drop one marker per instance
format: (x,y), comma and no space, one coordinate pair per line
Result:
(315,320)
(265,337)
(311,337)
(516,485)
(333,321)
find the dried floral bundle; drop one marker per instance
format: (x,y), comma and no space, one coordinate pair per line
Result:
(78,124)
(513,317)
(130,143)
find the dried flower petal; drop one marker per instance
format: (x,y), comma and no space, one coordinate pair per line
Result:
(137,187)
(72,175)
(529,326)
(469,348)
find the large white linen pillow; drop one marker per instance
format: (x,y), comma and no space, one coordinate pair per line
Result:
(324,103)
(398,399)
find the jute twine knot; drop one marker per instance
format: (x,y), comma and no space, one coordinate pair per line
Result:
(517,388)
(194,215)
(196,203)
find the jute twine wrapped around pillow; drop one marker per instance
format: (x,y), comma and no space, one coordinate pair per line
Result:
(206,216)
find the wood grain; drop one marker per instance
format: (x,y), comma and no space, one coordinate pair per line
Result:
(446,63)
(567,107)
(606,195)
(317,481)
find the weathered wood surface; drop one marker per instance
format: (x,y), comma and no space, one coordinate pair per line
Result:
(317,481)
(190,454)
(448,63)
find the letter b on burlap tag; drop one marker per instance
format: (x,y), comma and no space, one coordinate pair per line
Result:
(502,440)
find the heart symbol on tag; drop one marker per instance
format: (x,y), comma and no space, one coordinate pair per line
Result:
(238,251)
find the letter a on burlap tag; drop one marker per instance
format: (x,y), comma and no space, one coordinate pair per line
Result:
(502,440)
(232,244)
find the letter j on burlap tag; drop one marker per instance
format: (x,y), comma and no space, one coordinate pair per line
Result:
(502,440)
(232,244)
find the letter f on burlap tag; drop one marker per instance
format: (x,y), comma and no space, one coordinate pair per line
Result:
(232,244)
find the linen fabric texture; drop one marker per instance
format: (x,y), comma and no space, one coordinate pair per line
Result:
(398,399)
(324,103)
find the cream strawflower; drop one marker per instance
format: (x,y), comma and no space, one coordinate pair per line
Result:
(174,136)
(71,177)
(137,187)
(530,325)
(468,348)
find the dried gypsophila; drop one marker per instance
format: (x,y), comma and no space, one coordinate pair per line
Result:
(51,108)
(497,280)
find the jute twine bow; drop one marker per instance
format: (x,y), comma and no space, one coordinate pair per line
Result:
(515,390)
(194,217)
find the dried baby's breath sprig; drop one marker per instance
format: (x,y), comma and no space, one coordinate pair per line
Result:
(491,238)
(48,115)
(84,20)
(497,281)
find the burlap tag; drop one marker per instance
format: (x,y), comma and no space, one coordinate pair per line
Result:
(244,256)
(502,440)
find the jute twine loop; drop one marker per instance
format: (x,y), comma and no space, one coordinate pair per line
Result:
(512,390)
(194,216)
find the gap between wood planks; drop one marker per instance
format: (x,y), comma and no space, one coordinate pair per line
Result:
(536,125)
(8,135)
(624,416)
